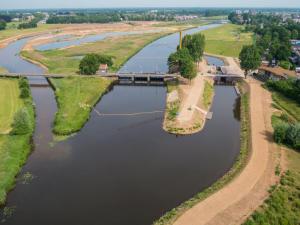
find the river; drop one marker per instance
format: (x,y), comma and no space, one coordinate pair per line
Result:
(122,170)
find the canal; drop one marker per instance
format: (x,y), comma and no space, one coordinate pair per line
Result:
(122,170)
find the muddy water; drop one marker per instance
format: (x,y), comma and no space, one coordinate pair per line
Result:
(121,170)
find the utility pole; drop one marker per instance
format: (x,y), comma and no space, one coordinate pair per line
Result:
(180,41)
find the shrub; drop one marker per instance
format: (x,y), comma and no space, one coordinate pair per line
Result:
(285,64)
(23,83)
(280,132)
(290,88)
(24,93)
(293,136)
(21,123)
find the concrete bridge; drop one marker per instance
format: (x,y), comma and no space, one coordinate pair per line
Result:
(126,77)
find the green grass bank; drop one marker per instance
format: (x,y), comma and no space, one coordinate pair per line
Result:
(76,97)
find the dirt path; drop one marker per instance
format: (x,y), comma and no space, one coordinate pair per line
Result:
(236,201)
(193,94)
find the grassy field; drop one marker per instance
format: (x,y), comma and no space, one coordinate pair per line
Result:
(13,31)
(283,205)
(10,103)
(172,215)
(14,148)
(226,40)
(76,97)
(66,61)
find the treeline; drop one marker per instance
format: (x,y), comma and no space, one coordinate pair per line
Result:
(184,59)
(84,18)
(287,132)
(106,18)
(272,35)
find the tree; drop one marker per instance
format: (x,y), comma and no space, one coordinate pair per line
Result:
(283,53)
(175,59)
(195,45)
(2,25)
(188,69)
(89,65)
(21,124)
(294,34)
(250,58)
(105,59)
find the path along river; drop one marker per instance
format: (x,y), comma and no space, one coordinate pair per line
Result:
(121,170)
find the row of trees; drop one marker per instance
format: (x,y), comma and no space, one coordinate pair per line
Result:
(184,60)
(89,65)
(84,18)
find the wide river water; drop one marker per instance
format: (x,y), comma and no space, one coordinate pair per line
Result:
(122,170)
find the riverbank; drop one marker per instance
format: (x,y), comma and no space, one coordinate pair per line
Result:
(15,133)
(76,97)
(240,163)
(234,202)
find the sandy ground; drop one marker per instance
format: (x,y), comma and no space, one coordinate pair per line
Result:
(192,94)
(237,200)
(80,30)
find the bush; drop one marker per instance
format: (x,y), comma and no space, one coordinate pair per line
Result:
(288,134)
(23,83)
(285,64)
(24,88)
(24,93)
(290,88)
(280,132)
(21,123)
(293,136)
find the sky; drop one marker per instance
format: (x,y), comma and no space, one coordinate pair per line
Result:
(27,4)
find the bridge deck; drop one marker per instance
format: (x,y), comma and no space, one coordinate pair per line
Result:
(117,75)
